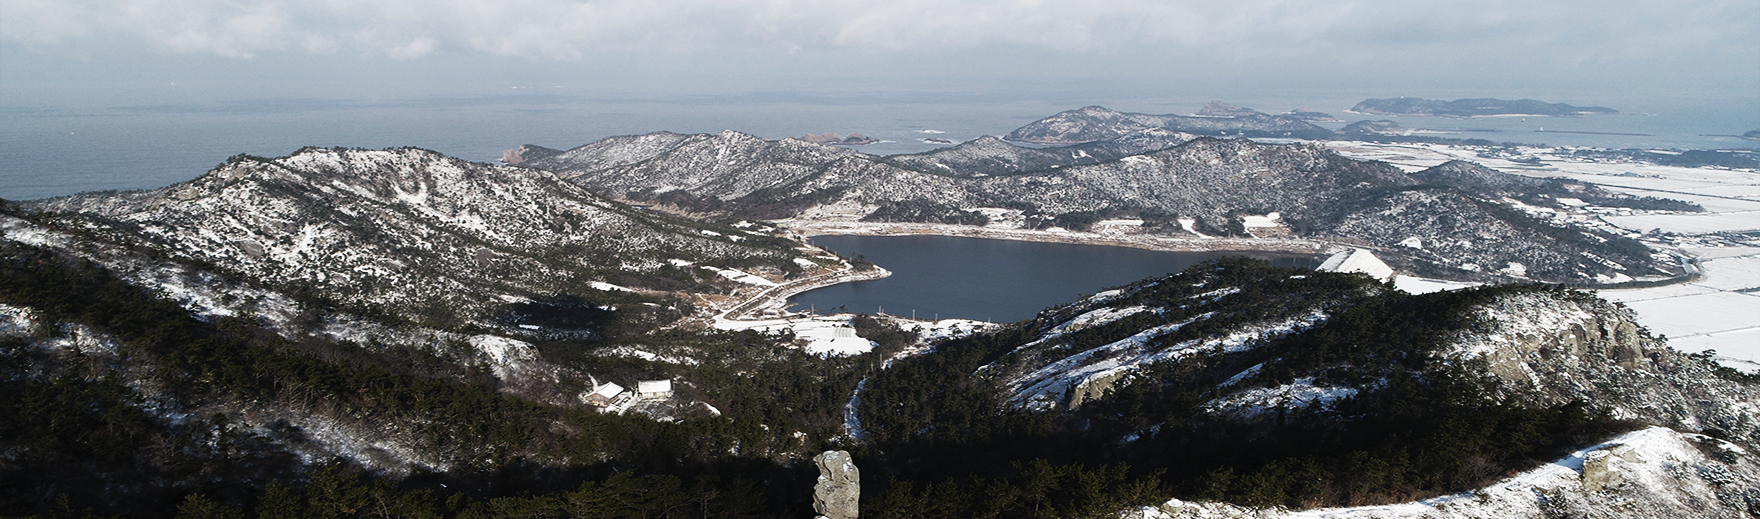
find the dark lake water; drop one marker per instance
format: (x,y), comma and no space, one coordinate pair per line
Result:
(995,280)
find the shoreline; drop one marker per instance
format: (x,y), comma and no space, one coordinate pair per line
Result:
(776,298)
(810,228)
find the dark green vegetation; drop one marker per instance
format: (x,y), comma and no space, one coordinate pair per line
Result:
(158,423)
(413,235)
(120,429)
(1418,426)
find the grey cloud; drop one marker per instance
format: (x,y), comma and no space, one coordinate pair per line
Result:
(569,30)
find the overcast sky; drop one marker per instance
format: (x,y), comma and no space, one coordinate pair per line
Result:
(366,48)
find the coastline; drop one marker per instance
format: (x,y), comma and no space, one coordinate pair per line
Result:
(810,228)
(774,300)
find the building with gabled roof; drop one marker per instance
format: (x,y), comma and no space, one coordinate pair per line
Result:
(653,389)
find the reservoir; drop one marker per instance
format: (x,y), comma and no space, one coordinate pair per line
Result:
(995,280)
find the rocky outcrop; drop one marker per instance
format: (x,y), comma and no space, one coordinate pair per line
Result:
(839,487)
(1552,350)
(1654,472)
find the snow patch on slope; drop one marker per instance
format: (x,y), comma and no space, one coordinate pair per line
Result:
(1296,395)
(1052,384)
(1653,472)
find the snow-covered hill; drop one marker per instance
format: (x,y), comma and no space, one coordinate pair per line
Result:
(410,232)
(1542,347)
(1460,221)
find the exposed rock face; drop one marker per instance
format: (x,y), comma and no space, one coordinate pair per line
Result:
(1549,350)
(1650,473)
(839,486)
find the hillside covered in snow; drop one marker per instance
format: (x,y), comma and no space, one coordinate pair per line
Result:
(410,334)
(414,234)
(1457,221)
(1235,381)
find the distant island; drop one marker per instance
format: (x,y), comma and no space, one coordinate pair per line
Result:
(1474,108)
(854,139)
(1310,115)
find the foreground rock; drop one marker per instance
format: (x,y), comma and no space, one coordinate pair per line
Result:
(839,486)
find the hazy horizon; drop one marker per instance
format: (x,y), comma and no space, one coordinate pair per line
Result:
(152,93)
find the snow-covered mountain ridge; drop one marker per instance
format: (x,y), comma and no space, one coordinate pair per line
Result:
(1542,347)
(1462,221)
(413,233)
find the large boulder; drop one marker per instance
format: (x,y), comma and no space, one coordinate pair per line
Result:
(839,486)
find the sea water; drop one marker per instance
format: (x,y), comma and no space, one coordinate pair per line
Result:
(53,149)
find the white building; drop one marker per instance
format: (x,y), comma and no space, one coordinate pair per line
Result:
(651,389)
(602,395)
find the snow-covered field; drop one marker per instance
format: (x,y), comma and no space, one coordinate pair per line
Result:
(1720,311)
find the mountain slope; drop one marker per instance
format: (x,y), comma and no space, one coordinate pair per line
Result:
(1279,387)
(990,156)
(411,232)
(1451,221)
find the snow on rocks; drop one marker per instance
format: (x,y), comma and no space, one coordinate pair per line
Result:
(1652,472)
(637,351)
(18,321)
(1300,394)
(1095,318)
(504,354)
(1076,378)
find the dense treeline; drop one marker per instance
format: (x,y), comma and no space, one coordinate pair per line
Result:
(111,430)
(1419,426)
(924,211)
(155,425)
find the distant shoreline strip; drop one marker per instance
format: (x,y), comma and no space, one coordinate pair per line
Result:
(1596,133)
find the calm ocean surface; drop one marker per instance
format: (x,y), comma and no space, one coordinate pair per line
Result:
(53,150)
(993,280)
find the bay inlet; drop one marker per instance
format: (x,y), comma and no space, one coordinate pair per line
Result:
(994,280)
